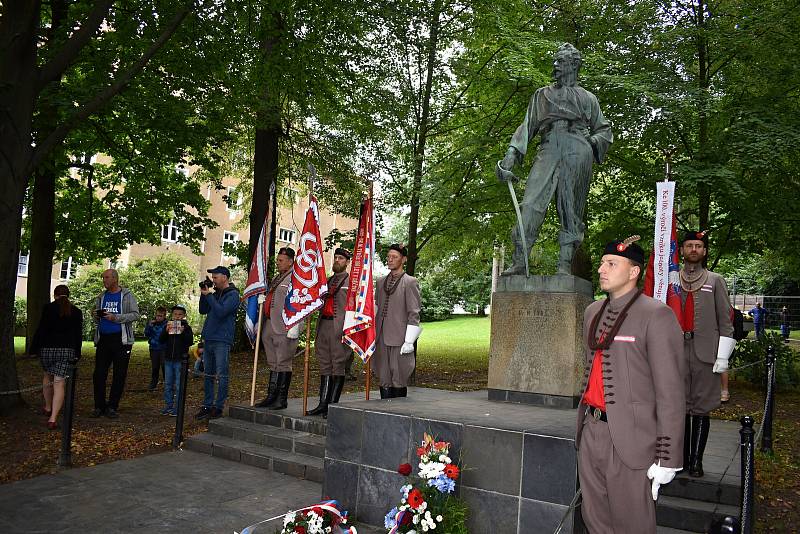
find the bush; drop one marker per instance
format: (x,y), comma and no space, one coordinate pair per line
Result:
(20,312)
(752,350)
(162,280)
(438,299)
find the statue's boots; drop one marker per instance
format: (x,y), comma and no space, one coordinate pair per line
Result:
(272,391)
(337,384)
(565,255)
(325,390)
(518,265)
(700,427)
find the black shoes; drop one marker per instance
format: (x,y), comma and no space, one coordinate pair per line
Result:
(325,390)
(283,381)
(272,391)
(111,413)
(215,413)
(700,427)
(387,393)
(399,392)
(203,413)
(97,412)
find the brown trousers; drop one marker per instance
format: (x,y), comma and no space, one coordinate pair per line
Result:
(392,368)
(702,384)
(330,351)
(616,499)
(279,350)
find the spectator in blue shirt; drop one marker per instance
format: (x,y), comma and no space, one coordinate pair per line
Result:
(115,311)
(759,316)
(220,307)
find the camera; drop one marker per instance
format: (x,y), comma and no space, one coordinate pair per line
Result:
(206,284)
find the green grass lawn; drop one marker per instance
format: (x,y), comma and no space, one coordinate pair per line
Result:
(462,341)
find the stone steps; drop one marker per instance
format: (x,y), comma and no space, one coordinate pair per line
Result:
(711,488)
(691,515)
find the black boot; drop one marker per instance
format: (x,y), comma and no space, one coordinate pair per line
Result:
(272,391)
(687,440)
(337,383)
(324,396)
(386,393)
(700,426)
(399,392)
(284,380)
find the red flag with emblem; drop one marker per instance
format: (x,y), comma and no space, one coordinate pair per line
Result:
(359,317)
(309,282)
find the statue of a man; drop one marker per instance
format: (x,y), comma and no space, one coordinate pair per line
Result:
(574,134)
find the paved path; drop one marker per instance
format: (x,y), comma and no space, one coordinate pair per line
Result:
(174,492)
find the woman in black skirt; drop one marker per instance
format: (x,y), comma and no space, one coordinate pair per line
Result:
(57,341)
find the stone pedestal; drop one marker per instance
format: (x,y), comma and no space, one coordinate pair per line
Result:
(536,352)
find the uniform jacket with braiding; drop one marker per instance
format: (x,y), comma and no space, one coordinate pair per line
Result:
(339,288)
(643,378)
(402,308)
(276,305)
(712,317)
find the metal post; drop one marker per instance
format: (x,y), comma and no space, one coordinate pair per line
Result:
(769,405)
(748,473)
(65,458)
(178,439)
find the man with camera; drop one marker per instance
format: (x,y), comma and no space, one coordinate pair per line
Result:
(220,306)
(115,311)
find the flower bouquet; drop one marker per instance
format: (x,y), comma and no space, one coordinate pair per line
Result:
(323,518)
(427,501)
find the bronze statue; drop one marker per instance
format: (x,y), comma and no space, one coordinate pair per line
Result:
(574,134)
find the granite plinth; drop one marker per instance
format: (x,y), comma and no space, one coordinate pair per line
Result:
(536,350)
(519,462)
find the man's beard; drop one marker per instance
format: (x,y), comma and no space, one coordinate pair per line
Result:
(338,268)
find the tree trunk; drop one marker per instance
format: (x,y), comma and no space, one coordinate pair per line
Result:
(703,191)
(419,152)
(43,245)
(265,174)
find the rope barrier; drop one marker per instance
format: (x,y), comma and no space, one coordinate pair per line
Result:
(31,388)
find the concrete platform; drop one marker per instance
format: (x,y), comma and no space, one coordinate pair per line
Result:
(519,462)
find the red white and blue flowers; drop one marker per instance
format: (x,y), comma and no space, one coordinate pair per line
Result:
(429,504)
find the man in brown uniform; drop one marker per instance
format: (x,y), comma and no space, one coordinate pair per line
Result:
(397,325)
(279,345)
(630,418)
(708,344)
(331,352)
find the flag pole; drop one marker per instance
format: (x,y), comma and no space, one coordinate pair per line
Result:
(368,365)
(258,344)
(305,365)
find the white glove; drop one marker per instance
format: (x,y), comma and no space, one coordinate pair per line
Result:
(412,333)
(724,351)
(660,476)
(294,332)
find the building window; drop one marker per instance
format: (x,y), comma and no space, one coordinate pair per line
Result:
(170,232)
(22,267)
(233,200)
(286,235)
(68,268)
(229,238)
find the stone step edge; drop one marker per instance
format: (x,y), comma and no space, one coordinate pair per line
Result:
(277,418)
(704,490)
(269,436)
(268,458)
(692,515)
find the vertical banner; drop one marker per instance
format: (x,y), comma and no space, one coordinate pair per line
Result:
(359,318)
(662,281)
(309,281)
(257,282)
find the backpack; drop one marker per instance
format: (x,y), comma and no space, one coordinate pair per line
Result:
(738,324)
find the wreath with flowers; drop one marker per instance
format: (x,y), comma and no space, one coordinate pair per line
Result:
(427,501)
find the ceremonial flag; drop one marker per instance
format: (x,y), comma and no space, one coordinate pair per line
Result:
(257,283)
(359,317)
(309,281)
(662,280)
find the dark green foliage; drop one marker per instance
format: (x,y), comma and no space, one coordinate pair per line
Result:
(787,363)
(20,312)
